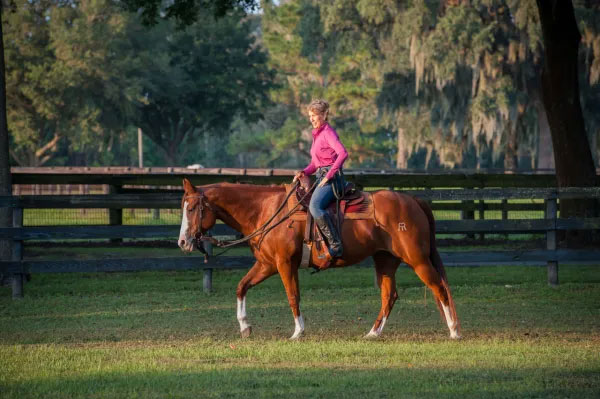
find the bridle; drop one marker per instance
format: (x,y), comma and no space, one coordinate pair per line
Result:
(199,237)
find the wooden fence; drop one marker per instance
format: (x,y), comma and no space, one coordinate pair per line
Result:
(126,194)
(124,176)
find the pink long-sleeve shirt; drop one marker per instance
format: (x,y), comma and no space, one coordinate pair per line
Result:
(326,150)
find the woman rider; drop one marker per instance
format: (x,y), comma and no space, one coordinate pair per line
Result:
(327,157)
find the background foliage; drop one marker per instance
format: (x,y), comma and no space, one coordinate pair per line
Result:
(415,84)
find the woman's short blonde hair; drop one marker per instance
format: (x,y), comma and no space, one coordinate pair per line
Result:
(320,107)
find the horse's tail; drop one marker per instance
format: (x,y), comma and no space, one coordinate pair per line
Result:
(436,260)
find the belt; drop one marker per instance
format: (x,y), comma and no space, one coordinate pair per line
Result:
(322,171)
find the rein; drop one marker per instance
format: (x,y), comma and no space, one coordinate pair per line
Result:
(264,229)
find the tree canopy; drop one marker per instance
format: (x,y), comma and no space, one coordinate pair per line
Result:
(423,83)
(447,77)
(81,75)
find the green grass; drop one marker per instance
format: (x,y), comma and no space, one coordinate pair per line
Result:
(69,217)
(104,250)
(157,335)
(73,217)
(77,250)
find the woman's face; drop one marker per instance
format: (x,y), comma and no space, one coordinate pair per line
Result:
(316,119)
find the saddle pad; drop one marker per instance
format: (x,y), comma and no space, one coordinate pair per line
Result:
(357,209)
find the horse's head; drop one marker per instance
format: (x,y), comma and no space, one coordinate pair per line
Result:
(197,217)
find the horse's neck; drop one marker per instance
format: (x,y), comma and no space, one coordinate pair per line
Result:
(239,208)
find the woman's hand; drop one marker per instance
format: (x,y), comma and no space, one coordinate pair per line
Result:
(323,182)
(298,175)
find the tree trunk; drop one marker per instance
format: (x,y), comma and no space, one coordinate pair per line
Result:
(140,138)
(5,176)
(594,146)
(545,155)
(171,156)
(401,155)
(560,93)
(510,151)
(206,160)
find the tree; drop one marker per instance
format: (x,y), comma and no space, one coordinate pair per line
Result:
(314,63)
(68,79)
(185,12)
(274,141)
(32,106)
(471,68)
(79,74)
(560,82)
(5,176)
(180,9)
(197,79)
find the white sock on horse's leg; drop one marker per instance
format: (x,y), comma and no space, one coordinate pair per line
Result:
(241,315)
(299,330)
(376,332)
(452,325)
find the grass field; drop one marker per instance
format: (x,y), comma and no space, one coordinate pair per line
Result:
(71,217)
(156,335)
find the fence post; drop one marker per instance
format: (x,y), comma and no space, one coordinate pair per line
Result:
(505,212)
(84,189)
(551,242)
(17,255)
(468,214)
(481,216)
(207,279)
(115,216)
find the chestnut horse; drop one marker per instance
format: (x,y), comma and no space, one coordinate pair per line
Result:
(403,230)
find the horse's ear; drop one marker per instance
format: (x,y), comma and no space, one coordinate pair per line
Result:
(188,187)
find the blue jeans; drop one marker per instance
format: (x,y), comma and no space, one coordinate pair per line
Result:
(321,198)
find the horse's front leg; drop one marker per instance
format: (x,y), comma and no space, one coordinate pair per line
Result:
(258,273)
(289,277)
(385,266)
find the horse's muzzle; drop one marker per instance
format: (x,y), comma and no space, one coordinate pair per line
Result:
(185,245)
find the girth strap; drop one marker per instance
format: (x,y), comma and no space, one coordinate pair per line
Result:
(307,243)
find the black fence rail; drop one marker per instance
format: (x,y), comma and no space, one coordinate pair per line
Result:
(467,200)
(124,176)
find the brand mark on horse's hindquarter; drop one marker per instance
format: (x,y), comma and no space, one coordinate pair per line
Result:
(401,226)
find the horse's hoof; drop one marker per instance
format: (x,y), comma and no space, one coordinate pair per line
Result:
(246,332)
(297,336)
(371,335)
(456,336)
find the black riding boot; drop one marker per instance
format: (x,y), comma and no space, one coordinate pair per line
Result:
(329,230)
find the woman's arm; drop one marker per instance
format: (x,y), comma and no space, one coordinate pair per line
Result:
(310,169)
(334,142)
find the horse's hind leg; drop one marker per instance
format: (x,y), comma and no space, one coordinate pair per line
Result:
(430,276)
(258,273)
(289,278)
(385,266)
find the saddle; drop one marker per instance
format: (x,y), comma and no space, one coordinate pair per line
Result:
(351,201)
(354,205)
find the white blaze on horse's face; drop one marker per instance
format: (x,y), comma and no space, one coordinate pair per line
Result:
(185,240)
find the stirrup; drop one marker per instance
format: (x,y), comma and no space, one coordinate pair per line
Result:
(339,255)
